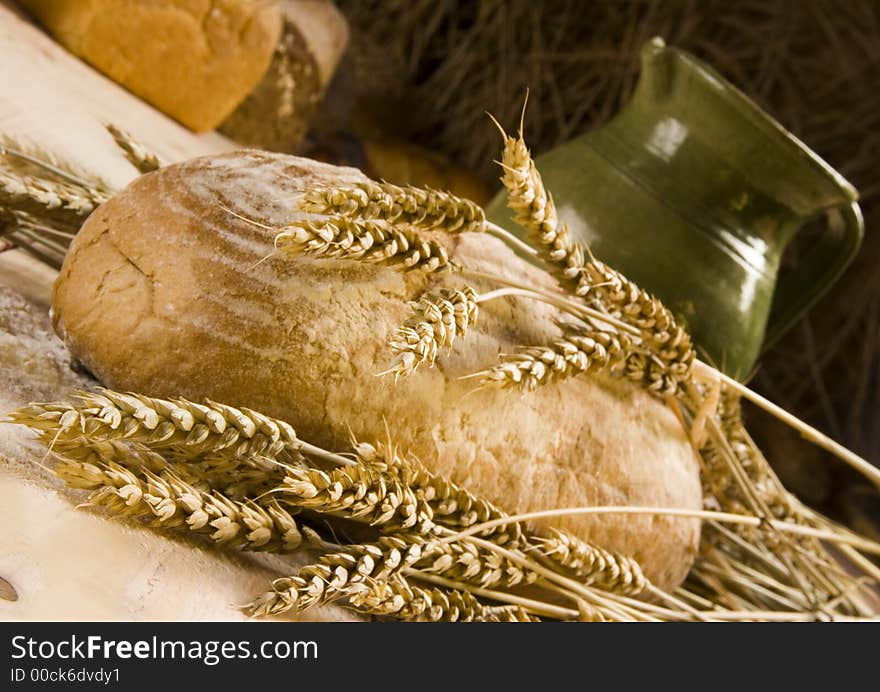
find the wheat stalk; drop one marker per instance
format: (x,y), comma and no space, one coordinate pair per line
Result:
(422,207)
(144,161)
(367,241)
(586,276)
(437,321)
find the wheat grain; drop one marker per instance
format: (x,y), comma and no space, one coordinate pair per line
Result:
(144,161)
(437,321)
(366,241)
(420,207)
(592,564)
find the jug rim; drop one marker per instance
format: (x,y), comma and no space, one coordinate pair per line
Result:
(739,100)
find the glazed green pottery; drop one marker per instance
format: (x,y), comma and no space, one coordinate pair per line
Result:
(694,192)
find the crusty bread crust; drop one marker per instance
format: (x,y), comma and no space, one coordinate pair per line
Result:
(162,293)
(194,60)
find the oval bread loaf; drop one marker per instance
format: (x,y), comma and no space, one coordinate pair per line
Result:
(163,292)
(194,60)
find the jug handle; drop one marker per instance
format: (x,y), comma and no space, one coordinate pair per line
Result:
(799,289)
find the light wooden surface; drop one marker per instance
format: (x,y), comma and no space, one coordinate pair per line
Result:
(50,97)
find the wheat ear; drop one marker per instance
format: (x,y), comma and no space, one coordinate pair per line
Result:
(451,505)
(144,161)
(335,575)
(667,339)
(168,501)
(535,211)
(399,598)
(586,276)
(579,350)
(367,241)
(194,429)
(467,563)
(591,564)
(32,181)
(51,200)
(437,321)
(421,207)
(361,493)
(235,476)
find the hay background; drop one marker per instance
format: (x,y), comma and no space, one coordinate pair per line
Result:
(427,70)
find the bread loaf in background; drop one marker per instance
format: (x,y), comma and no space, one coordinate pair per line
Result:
(163,293)
(276,114)
(195,60)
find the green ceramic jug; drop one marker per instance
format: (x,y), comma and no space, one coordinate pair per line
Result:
(694,192)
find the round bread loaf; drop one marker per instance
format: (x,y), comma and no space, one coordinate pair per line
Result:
(163,292)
